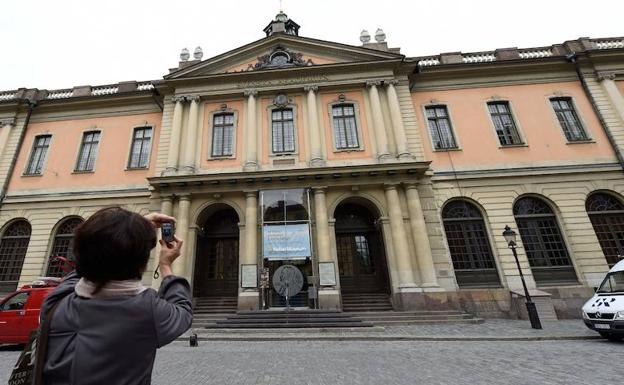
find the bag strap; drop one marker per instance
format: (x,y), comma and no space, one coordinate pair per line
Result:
(42,344)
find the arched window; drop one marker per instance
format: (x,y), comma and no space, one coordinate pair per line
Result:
(543,243)
(607,216)
(63,245)
(13,248)
(469,245)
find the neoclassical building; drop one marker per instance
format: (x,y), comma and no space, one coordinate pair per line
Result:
(375,174)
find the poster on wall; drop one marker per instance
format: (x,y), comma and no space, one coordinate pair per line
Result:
(282,242)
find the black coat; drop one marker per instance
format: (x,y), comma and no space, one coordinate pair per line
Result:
(112,340)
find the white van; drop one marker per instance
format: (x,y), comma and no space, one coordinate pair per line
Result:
(604,312)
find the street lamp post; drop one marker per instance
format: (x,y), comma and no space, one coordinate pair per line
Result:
(510,237)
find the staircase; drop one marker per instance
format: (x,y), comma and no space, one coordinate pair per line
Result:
(288,320)
(376,308)
(365,302)
(208,310)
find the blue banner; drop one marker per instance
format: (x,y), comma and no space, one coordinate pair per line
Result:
(286,241)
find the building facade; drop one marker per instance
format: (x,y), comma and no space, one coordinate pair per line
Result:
(370,171)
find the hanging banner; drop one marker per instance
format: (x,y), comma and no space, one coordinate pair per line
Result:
(280,242)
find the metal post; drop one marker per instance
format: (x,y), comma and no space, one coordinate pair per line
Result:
(531,309)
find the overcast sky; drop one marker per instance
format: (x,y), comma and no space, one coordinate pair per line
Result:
(50,44)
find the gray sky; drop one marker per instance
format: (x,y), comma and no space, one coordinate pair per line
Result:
(63,43)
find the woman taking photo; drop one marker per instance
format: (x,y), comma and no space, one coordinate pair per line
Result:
(106,325)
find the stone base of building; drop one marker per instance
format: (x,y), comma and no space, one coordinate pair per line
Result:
(568,300)
(329,300)
(248,300)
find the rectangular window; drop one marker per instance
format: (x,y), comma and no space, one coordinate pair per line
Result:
(440,127)
(88,151)
(283,130)
(504,123)
(222,134)
(345,126)
(38,155)
(141,146)
(568,119)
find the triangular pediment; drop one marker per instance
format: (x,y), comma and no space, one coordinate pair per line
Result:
(282,51)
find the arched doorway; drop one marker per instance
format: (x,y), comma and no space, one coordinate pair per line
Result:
(13,247)
(543,242)
(469,245)
(216,260)
(607,217)
(360,251)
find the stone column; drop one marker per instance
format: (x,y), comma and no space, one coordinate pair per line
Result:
(316,152)
(191,135)
(378,121)
(174,139)
(328,297)
(248,299)
(421,238)
(182,226)
(607,80)
(251,134)
(397,120)
(6,126)
(399,238)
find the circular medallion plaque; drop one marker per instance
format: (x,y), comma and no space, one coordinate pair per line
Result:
(287,280)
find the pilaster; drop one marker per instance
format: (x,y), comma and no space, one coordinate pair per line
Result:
(174,139)
(316,151)
(191,135)
(397,121)
(378,122)
(251,133)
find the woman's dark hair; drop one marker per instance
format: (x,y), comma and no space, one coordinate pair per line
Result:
(113,244)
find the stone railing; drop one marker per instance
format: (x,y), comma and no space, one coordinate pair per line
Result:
(7,95)
(145,86)
(105,90)
(60,94)
(609,43)
(535,53)
(428,61)
(478,57)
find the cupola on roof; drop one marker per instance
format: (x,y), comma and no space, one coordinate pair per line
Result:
(282,24)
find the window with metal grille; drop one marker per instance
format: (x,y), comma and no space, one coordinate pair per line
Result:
(440,128)
(504,123)
(63,245)
(283,130)
(141,146)
(469,245)
(222,134)
(543,242)
(607,217)
(568,119)
(13,246)
(88,151)
(38,154)
(345,126)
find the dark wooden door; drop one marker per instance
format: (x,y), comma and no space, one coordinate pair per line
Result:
(361,263)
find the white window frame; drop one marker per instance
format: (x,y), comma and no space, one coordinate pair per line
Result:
(97,151)
(458,146)
(584,126)
(358,123)
(151,147)
(270,110)
(514,116)
(211,133)
(30,154)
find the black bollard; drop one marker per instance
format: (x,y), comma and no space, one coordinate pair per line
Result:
(193,340)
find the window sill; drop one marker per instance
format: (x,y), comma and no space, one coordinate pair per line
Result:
(588,141)
(83,172)
(284,155)
(447,149)
(225,157)
(355,149)
(31,175)
(136,168)
(513,145)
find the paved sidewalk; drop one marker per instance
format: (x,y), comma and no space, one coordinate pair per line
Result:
(490,330)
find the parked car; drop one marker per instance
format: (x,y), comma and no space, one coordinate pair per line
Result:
(19,311)
(604,312)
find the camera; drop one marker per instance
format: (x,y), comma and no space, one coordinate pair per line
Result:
(167,230)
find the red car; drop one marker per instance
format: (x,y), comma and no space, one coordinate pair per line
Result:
(19,311)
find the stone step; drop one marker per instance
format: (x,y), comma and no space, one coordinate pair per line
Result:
(291,325)
(416,312)
(430,321)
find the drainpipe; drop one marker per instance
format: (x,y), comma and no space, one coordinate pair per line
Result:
(572,58)
(20,142)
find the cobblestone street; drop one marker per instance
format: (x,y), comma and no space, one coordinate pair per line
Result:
(383,362)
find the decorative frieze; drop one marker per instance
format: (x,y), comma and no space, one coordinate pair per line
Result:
(605,75)
(7,122)
(283,82)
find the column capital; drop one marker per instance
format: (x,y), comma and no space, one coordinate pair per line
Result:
(166,198)
(251,193)
(390,186)
(410,185)
(391,82)
(605,75)
(184,197)
(178,98)
(7,122)
(250,92)
(319,189)
(373,83)
(193,98)
(310,88)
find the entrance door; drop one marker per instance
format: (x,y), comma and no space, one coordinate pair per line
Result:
(216,271)
(361,260)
